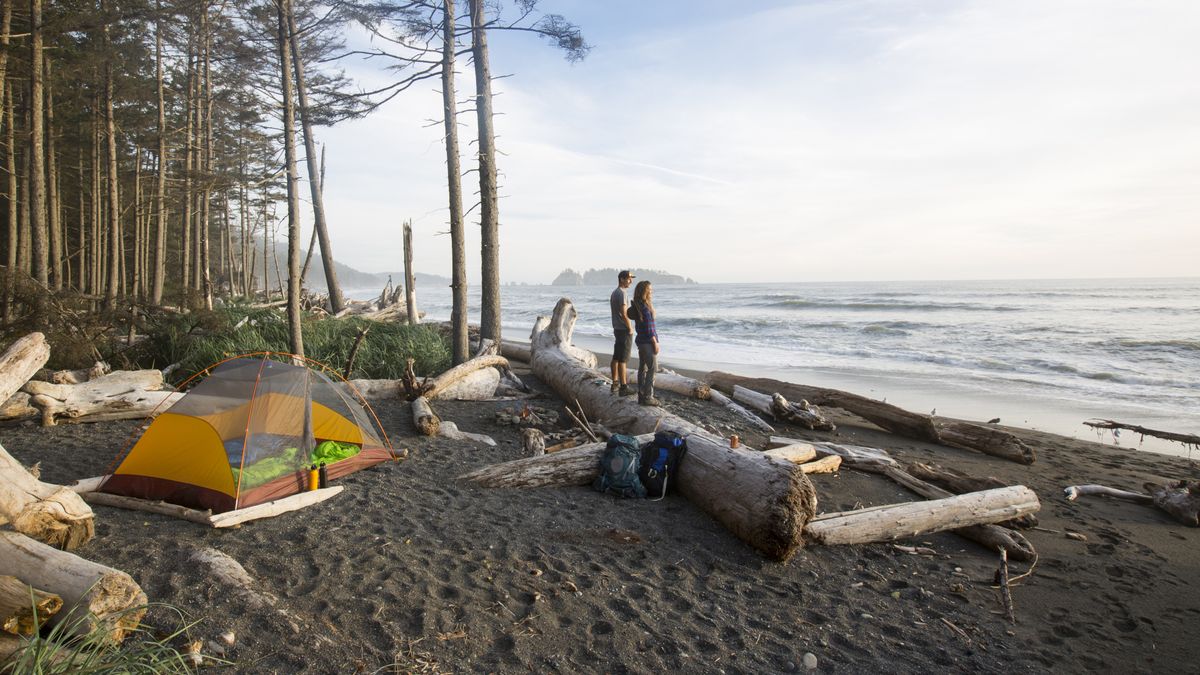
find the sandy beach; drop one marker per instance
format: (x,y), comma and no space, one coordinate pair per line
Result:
(409,570)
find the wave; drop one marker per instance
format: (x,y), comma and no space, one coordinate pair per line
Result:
(868,305)
(1159,345)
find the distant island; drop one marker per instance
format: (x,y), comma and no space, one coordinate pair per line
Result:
(608,275)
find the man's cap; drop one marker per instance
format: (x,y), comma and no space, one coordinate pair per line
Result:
(625,275)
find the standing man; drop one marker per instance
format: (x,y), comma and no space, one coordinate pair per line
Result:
(623,332)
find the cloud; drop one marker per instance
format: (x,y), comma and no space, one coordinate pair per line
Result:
(847,140)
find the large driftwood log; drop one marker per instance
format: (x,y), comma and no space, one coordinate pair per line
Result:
(49,513)
(680,384)
(274,508)
(95,595)
(450,383)
(874,460)
(426,421)
(764,501)
(573,466)
(778,407)
(900,521)
(957,482)
(1187,439)
(965,435)
(23,608)
(19,406)
(74,376)
(20,361)
(119,395)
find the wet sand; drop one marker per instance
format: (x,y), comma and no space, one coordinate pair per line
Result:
(409,570)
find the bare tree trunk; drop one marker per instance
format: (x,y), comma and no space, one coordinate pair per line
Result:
(54,208)
(315,180)
(296,339)
(37,152)
(160,196)
(82,274)
(459,347)
(205,224)
(10,157)
(489,213)
(410,291)
(114,201)
(189,165)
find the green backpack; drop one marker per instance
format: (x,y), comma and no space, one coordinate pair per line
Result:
(619,467)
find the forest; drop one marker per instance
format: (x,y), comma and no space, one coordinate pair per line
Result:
(154,152)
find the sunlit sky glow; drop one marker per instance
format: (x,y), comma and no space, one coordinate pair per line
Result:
(809,141)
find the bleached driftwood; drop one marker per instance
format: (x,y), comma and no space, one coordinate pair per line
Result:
(20,361)
(966,435)
(226,519)
(679,384)
(736,408)
(469,380)
(957,482)
(230,574)
(23,608)
(50,513)
(424,418)
(450,430)
(274,508)
(19,406)
(98,597)
(778,407)
(376,388)
(875,460)
(827,464)
(1180,499)
(900,521)
(797,453)
(764,501)
(515,351)
(76,376)
(572,466)
(119,395)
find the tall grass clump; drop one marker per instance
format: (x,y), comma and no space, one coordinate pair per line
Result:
(69,647)
(200,339)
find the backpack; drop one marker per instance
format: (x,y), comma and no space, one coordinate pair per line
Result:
(660,462)
(619,468)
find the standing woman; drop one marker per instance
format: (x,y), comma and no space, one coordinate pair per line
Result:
(642,313)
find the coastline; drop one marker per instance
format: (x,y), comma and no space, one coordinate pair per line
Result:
(411,570)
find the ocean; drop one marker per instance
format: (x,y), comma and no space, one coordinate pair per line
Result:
(1044,354)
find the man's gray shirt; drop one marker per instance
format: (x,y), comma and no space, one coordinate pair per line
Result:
(617,303)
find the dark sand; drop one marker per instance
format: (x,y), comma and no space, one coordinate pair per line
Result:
(410,571)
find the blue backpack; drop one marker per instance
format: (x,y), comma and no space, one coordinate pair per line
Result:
(619,468)
(660,462)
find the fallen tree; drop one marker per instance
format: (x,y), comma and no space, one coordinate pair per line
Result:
(779,408)
(573,466)
(966,435)
(119,395)
(762,500)
(50,513)
(900,521)
(471,380)
(94,597)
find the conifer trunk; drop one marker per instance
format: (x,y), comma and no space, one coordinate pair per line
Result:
(160,196)
(459,348)
(284,9)
(37,152)
(489,215)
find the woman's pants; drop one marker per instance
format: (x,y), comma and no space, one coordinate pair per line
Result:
(647,365)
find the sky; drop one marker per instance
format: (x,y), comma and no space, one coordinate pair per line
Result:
(769,141)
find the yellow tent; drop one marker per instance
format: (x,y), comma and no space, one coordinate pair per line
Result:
(247,434)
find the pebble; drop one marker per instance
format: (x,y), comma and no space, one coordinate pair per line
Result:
(810,661)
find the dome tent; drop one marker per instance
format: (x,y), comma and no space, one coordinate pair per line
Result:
(246,434)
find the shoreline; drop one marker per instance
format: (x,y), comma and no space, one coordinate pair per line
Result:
(412,570)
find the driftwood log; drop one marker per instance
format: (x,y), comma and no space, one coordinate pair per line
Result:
(426,421)
(23,608)
(900,521)
(1180,499)
(874,460)
(764,501)
(572,466)
(50,513)
(120,395)
(515,351)
(1191,440)
(20,361)
(95,596)
(471,380)
(966,435)
(957,482)
(779,408)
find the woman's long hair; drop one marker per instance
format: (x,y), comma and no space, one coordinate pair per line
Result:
(641,298)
